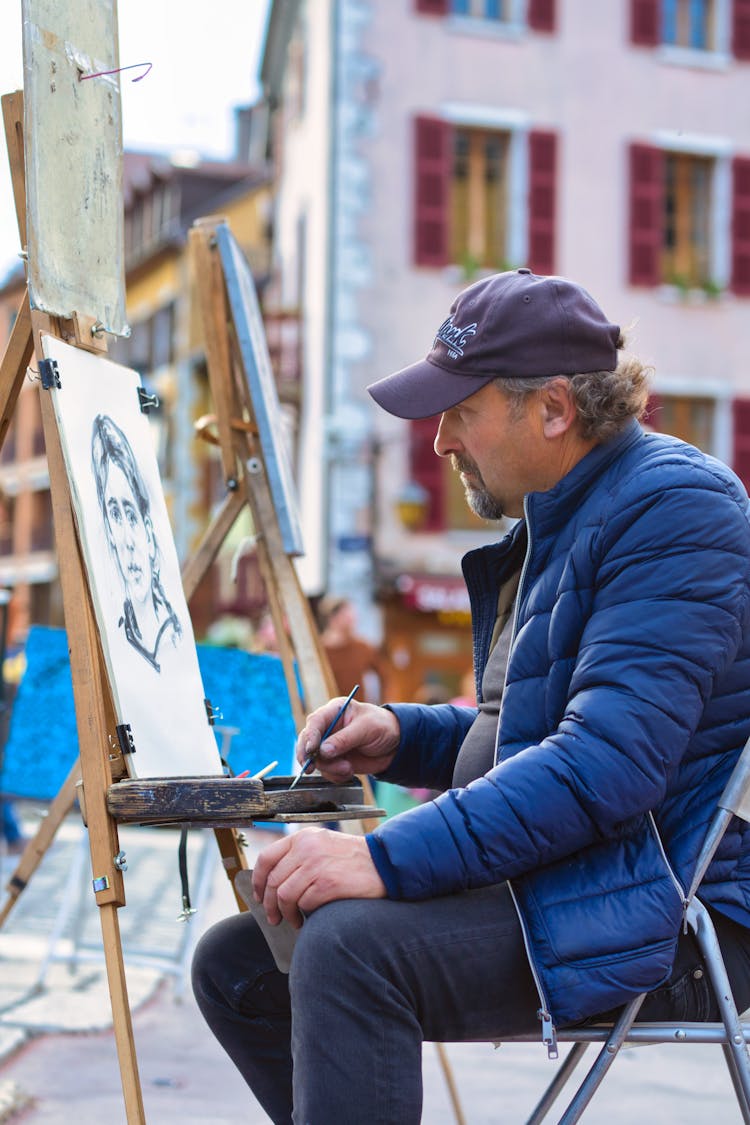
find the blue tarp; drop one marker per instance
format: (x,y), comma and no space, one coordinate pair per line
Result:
(249,690)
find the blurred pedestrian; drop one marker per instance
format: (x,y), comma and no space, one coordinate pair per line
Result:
(353,659)
(13,836)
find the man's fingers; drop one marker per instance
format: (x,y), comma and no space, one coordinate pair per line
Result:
(266,862)
(284,898)
(275,864)
(317,725)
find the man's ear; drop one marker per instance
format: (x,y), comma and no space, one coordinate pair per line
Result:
(557,407)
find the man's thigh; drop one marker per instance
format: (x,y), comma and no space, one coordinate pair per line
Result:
(459,961)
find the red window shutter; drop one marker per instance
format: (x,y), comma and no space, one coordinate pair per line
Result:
(427,469)
(542,201)
(741,433)
(741,29)
(645,18)
(541,15)
(431,186)
(740,282)
(646,214)
(432,7)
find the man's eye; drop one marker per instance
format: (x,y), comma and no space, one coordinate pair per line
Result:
(115,514)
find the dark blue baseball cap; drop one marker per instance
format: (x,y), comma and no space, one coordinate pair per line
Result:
(516,324)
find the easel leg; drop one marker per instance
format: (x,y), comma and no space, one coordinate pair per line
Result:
(447,1070)
(121,1022)
(95,722)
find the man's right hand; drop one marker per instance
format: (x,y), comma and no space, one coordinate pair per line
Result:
(365,741)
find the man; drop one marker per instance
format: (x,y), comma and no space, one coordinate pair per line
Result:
(545,884)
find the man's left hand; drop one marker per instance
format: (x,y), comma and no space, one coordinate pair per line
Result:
(310,868)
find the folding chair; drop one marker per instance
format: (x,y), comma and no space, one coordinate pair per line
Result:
(731,1033)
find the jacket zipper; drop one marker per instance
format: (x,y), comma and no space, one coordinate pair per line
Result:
(549,1037)
(514,623)
(677,884)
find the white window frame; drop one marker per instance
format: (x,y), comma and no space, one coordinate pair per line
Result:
(718,57)
(720,150)
(722,393)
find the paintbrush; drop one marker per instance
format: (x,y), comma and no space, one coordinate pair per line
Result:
(329,730)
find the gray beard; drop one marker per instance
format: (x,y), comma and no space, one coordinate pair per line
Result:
(479,499)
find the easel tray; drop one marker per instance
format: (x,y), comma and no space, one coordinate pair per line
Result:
(232,801)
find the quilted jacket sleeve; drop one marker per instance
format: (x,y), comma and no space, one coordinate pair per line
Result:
(661,590)
(430,740)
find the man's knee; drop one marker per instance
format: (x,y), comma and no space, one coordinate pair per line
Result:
(338,935)
(229,957)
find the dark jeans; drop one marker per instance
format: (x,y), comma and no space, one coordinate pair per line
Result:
(370,981)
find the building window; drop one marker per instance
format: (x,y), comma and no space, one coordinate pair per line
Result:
(688,417)
(41,521)
(162,337)
(689,220)
(687,211)
(8,452)
(7,519)
(37,429)
(539,15)
(477,188)
(501,10)
(689,23)
(478,199)
(719,27)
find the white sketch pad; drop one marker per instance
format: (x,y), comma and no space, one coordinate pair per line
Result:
(158,693)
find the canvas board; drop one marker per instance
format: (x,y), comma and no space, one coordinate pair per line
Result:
(132,566)
(73,157)
(256,362)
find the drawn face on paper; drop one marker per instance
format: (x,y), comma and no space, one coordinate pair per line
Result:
(130,534)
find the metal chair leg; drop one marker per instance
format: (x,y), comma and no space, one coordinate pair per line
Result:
(562,1074)
(736,1052)
(736,1083)
(603,1062)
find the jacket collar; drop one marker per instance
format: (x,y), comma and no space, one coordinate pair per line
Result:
(551,509)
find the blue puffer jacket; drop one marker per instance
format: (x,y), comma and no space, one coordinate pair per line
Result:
(627,701)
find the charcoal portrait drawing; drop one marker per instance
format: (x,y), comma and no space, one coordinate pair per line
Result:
(132,566)
(148,620)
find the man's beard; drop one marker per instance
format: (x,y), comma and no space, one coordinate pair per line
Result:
(479,499)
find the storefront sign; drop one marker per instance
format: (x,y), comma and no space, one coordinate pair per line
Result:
(429,594)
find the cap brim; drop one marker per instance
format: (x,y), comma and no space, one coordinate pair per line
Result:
(424,389)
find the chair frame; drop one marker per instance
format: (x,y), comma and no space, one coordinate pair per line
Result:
(731,1033)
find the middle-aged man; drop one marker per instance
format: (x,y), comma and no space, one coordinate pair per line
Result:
(545,883)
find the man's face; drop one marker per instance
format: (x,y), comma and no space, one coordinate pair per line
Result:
(129,535)
(494,448)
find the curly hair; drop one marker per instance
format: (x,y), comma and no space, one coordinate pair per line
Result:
(604,400)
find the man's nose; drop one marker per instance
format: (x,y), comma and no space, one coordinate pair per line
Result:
(446,441)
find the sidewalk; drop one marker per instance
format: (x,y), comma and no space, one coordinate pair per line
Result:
(57,1052)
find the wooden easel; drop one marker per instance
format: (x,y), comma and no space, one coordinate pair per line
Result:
(100,764)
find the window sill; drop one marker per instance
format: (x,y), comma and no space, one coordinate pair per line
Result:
(694,59)
(488,29)
(674,295)
(456,275)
